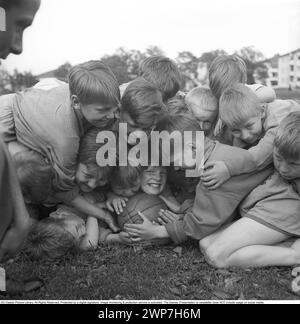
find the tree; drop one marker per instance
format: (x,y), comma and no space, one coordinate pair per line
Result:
(17,81)
(208,57)
(154,50)
(254,62)
(5,86)
(62,71)
(118,66)
(188,65)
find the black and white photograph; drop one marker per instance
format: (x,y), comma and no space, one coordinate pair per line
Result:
(150,152)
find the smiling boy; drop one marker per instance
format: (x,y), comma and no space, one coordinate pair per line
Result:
(253,127)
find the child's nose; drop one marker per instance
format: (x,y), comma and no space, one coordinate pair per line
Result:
(92,183)
(245,135)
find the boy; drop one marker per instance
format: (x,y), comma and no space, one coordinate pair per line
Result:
(125,182)
(142,105)
(14,219)
(252,126)
(270,214)
(162,73)
(203,105)
(52,122)
(211,209)
(37,178)
(227,70)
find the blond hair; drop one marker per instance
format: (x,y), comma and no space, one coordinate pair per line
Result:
(48,239)
(287,139)
(237,105)
(225,71)
(202,98)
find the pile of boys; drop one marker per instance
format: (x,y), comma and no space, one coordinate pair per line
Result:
(245,208)
(241,210)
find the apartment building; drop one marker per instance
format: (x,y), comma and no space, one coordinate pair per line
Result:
(284,70)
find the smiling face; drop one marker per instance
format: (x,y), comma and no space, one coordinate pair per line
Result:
(153,180)
(99,115)
(288,169)
(249,132)
(18,18)
(89,178)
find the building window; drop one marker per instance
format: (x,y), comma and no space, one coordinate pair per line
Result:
(298,79)
(274,83)
(274,74)
(292,67)
(291,78)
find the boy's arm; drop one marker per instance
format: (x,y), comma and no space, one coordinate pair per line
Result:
(265,94)
(91,238)
(171,203)
(14,218)
(7,124)
(87,208)
(211,210)
(257,157)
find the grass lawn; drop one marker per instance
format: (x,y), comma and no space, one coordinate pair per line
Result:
(284,93)
(149,273)
(135,273)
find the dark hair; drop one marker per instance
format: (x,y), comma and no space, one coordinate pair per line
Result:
(88,150)
(177,122)
(163,74)
(93,82)
(143,103)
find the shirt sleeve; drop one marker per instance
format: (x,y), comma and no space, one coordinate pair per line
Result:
(67,196)
(7,124)
(213,209)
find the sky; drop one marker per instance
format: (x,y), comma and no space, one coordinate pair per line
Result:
(76,31)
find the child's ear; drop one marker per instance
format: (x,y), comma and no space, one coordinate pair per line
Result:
(75,103)
(263,110)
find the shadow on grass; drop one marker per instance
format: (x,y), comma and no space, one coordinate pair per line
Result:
(148,273)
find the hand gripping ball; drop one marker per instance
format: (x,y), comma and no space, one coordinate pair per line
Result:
(149,205)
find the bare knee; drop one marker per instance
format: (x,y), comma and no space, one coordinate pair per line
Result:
(204,244)
(215,256)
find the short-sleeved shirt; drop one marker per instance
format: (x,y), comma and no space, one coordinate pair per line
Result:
(44,121)
(213,209)
(274,204)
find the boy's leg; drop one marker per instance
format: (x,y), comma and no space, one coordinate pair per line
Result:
(248,243)
(208,240)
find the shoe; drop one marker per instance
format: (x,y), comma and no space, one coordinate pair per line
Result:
(18,287)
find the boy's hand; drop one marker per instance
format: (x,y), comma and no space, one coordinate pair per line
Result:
(215,174)
(166,217)
(108,218)
(116,204)
(142,232)
(119,238)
